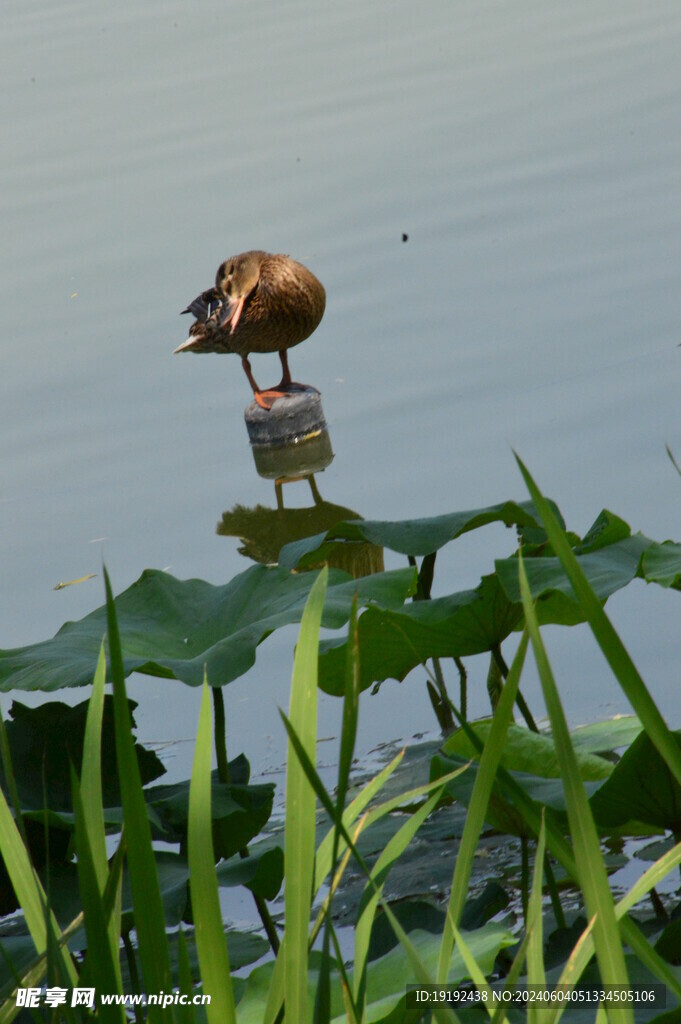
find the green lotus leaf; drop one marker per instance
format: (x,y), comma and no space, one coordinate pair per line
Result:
(409,536)
(174,628)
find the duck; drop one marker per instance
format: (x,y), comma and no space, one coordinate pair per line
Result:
(261,302)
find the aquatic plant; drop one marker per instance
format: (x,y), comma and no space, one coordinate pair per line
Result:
(103,905)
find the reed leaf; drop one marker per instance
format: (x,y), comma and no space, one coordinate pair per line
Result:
(322,1010)
(47,937)
(374,888)
(612,647)
(477,809)
(146,895)
(474,969)
(90,791)
(299,838)
(591,871)
(584,948)
(536,975)
(186,1013)
(103,965)
(209,930)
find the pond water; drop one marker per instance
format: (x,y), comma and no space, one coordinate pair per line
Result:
(530,155)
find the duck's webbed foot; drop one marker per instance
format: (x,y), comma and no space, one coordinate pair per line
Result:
(286,387)
(267,398)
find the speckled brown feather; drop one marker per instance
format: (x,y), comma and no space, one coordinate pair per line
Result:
(284,308)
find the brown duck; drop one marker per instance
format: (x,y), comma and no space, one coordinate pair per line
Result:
(260,303)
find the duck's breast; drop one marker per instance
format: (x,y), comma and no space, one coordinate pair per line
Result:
(285,308)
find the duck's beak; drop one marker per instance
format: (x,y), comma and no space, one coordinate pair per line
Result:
(231,311)
(188,344)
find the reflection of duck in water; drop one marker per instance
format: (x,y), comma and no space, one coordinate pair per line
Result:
(260,303)
(264,531)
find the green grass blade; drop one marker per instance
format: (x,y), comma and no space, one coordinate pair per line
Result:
(275,996)
(421,973)
(104,971)
(90,786)
(584,949)
(573,968)
(561,850)
(370,818)
(477,808)
(353,811)
(299,837)
(186,1013)
(40,920)
(322,1009)
(612,647)
(57,958)
(146,895)
(33,975)
(10,780)
(648,957)
(275,992)
(440,1013)
(591,871)
(209,929)
(474,969)
(111,905)
(112,895)
(93,806)
(22,876)
(510,981)
(310,773)
(369,902)
(649,879)
(357,807)
(536,974)
(350,712)
(345,982)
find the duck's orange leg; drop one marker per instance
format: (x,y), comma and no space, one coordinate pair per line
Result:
(283,389)
(249,373)
(286,385)
(267,398)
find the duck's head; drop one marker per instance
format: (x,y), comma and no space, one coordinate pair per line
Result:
(236,279)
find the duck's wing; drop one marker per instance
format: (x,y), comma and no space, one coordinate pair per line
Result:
(204,305)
